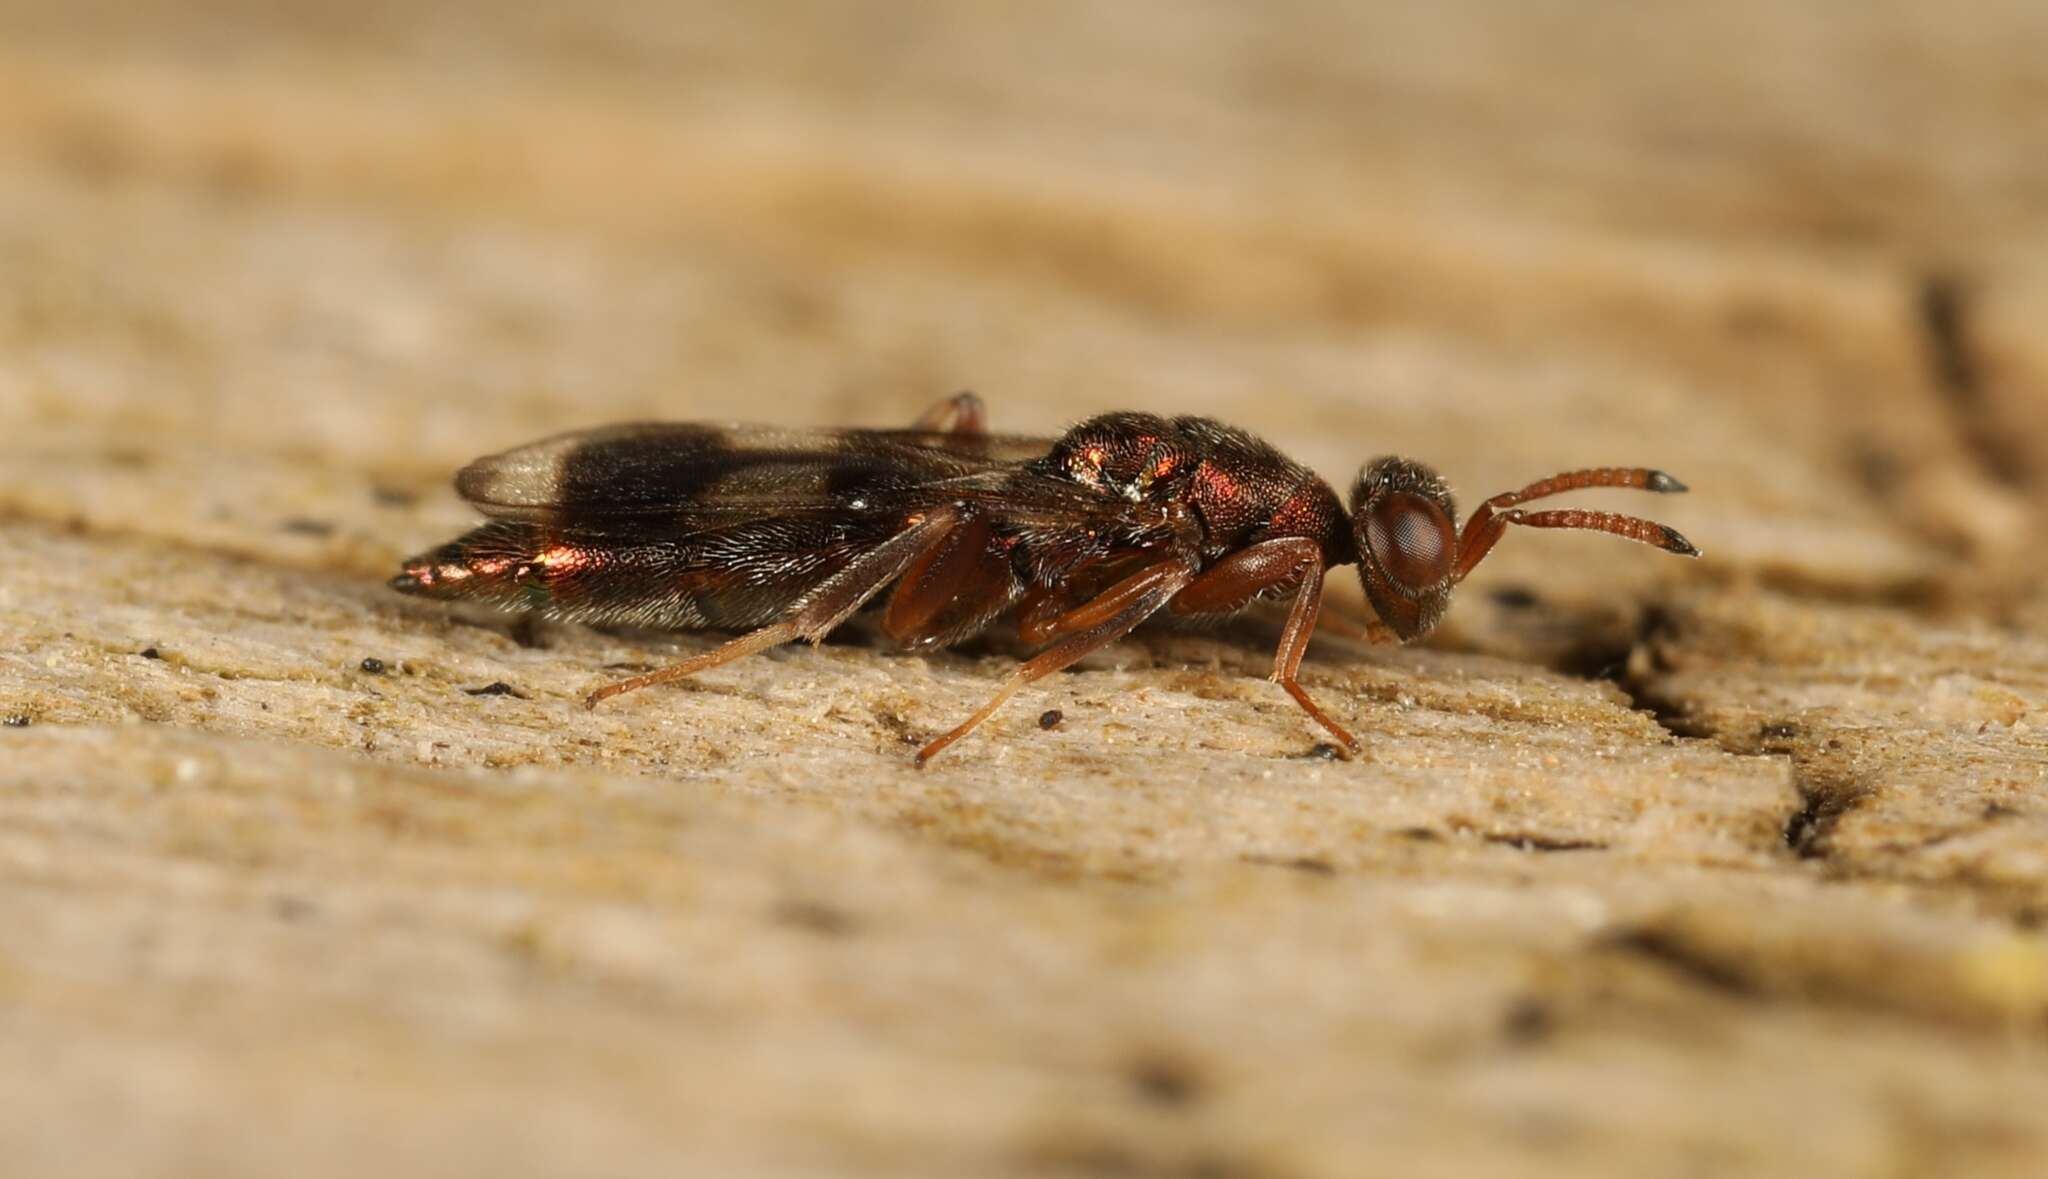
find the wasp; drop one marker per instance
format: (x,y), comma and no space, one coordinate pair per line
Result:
(946,529)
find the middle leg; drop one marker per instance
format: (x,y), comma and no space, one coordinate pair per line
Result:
(1139,596)
(963,413)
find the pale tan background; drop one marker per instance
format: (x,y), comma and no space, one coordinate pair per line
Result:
(1654,868)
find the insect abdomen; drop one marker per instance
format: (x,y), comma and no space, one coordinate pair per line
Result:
(744,575)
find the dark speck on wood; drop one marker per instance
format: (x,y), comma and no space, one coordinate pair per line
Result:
(1167,1081)
(1527,1021)
(306,526)
(497,688)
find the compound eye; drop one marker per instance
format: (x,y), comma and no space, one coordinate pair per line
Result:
(1412,540)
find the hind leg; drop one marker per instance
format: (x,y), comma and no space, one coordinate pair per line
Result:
(813,618)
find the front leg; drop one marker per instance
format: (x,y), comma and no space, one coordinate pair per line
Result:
(1370,631)
(1235,581)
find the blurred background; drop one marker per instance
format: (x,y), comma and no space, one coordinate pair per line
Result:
(270,272)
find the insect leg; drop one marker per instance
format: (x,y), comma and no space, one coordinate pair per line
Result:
(1047,618)
(813,617)
(956,585)
(1038,612)
(1359,630)
(768,636)
(1489,520)
(962,413)
(1138,596)
(1242,576)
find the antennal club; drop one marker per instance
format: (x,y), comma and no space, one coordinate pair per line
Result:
(1489,522)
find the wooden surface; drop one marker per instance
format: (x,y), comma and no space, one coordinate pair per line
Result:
(1737,866)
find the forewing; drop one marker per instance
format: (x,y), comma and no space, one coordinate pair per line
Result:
(679,478)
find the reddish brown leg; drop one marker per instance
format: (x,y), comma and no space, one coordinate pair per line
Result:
(747,644)
(1489,522)
(1142,595)
(1242,576)
(1039,612)
(1359,630)
(1043,623)
(1046,613)
(825,608)
(962,413)
(956,581)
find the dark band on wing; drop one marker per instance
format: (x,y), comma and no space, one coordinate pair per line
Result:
(623,468)
(677,479)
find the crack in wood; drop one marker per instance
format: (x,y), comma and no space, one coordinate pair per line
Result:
(1823,798)
(1677,955)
